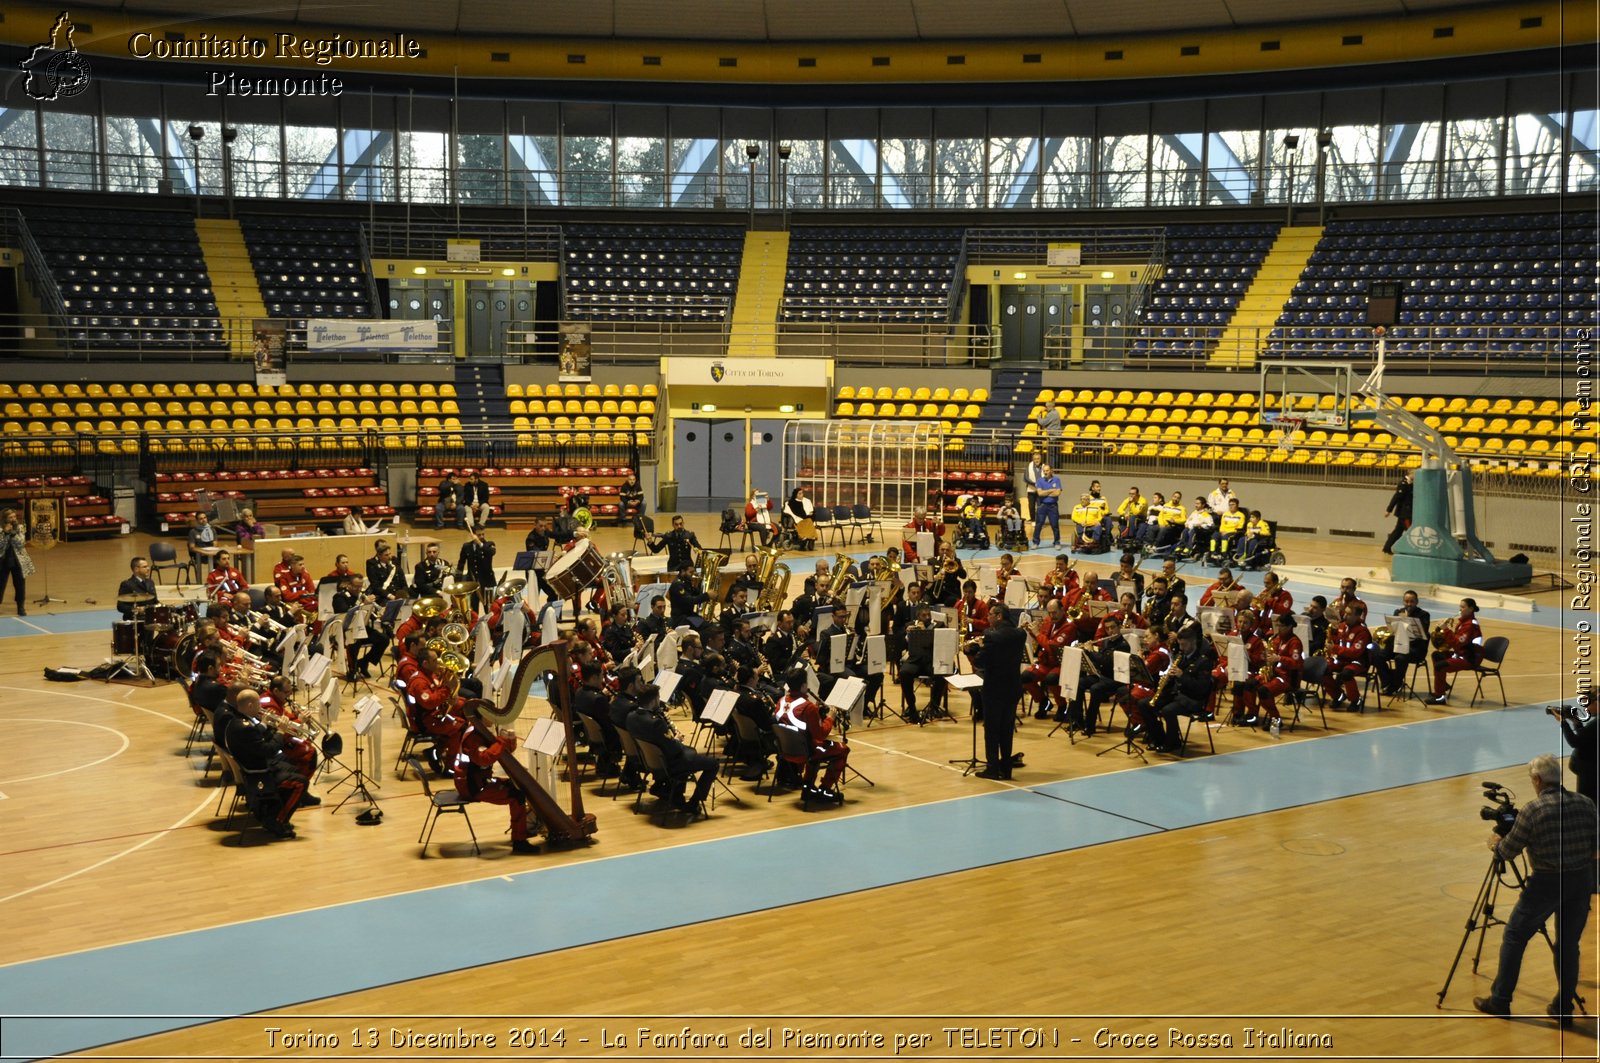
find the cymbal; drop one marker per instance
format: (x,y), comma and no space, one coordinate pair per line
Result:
(135,599)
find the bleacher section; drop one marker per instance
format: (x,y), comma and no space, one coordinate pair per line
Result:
(129,279)
(856,273)
(320,497)
(1528,436)
(1208,269)
(959,409)
(177,411)
(1508,278)
(308,267)
(583,414)
(650,272)
(88,507)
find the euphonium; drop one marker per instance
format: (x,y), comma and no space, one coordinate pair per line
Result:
(710,567)
(619,590)
(774,581)
(453,663)
(455,635)
(438,645)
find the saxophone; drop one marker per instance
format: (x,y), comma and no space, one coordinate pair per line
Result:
(710,568)
(774,577)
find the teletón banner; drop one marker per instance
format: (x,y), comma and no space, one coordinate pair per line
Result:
(343,334)
(748,372)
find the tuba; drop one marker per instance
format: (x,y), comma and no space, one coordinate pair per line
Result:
(842,566)
(429,607)
(618,588)
(461,594)
(710,569)
(774,576)
(455,635)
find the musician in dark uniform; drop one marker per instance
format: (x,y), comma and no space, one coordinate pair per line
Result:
(384,580)
(811,599)
(737,605)
(618,637)
(999,659)
(430,573)
(685,595)
(258,748)
(748,580)
(779,648)
(1392,668)
(629,683)
(654,624)
(755,705)
(207,692)
(1317,614)
(473,755)
(648,723)
(137,585)
(855,656)
(477,563)
(1188,691)
(367,652)
(680,544)
(1097,681)
(591,700)
(917,663)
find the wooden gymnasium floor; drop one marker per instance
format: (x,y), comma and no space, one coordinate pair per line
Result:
(1318,883)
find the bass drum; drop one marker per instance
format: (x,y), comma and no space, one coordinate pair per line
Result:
(575,570)
(174,662)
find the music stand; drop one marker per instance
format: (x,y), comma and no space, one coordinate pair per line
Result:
(719,709)
(368,711)
(1135,663)
(845,697)
(969,683)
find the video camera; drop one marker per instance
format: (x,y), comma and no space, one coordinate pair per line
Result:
(1579,714)
(1502,812)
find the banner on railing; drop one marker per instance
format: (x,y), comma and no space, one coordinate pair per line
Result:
(266,346)
(575,352)
(748,372)
(327,334)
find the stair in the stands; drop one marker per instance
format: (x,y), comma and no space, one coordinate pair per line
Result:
(1010,398)
(481,394)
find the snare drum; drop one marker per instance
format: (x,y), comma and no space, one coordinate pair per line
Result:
(575,570)
(125,637)
(175,617)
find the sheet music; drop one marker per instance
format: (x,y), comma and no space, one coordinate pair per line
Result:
(1302,630)
(813,684)
(1238,661)
(547,735)
(987,585)
(836,653)
(1017,593)
(1120,666)
(1407,631)
(968,682)
(845,693)
(1135,637)
(325,593)
(1210,615)
(907,574)
(368,709)
(924,545)
(667,682)
(314,669)
(945,644)
(1126,587)
(355,622)
(667,651)
(1071,670)
(720,706)
(877,654)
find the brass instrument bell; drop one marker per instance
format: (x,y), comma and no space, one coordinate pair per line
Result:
(429,607)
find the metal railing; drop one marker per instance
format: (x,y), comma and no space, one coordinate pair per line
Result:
(848,343)
(427,239)
(75,337)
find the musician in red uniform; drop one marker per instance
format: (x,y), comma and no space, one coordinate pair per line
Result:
(281,570)
(1222,592)
(1063,578)
(1461,651)
(921,522)
(1246,692)
(1043,679)
(1347,659)
(1274,598)
(1126,614)
(972,613)
(474,752)
(296,585)
(436,703)
(797,711)
(224,581)
(299,752)
(1287,657)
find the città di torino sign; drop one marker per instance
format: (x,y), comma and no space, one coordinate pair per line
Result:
(747,372)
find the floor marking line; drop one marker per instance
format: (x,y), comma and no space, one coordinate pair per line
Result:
(126,742)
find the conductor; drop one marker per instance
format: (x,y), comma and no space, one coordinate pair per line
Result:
(999,660)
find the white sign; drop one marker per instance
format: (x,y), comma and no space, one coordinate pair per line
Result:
(462,251)
(342,334)
(747,372)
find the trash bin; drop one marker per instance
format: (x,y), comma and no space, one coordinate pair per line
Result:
(668,496)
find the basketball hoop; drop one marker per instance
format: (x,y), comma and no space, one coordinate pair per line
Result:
(1287,427)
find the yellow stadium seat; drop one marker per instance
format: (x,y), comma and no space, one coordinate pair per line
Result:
(649,391)
(630,390)
(960,395)
(980,395)
(845,409)
(866,409)
(648,406)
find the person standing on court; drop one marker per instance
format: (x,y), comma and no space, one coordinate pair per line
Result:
(1047,505)
(1557,828)
(1400,508)
(999,660)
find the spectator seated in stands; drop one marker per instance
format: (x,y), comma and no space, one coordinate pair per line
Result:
(1255,551)
(1229,531)
(1196,531)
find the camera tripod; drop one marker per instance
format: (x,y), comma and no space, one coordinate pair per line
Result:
(1483,916)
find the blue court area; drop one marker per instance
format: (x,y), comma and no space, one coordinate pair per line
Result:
(41,623)
(157,985)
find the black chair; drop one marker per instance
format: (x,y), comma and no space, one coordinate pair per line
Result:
(861,517)
(791,744)
(1207,715)
(439,803)
(1494,655)
(1311,676)
(655,762)
(164,556)
(750,738)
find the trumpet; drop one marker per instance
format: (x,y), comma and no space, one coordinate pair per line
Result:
(286,726)
(258,619)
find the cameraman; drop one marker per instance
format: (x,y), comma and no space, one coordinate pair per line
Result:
(1558,830)
(1584,738)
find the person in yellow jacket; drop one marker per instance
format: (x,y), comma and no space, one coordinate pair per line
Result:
(1131,512)
(1229,530)
(1086,516)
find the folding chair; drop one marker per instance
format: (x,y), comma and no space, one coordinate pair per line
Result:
(439,803)
(1494,655)
(1311,676)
